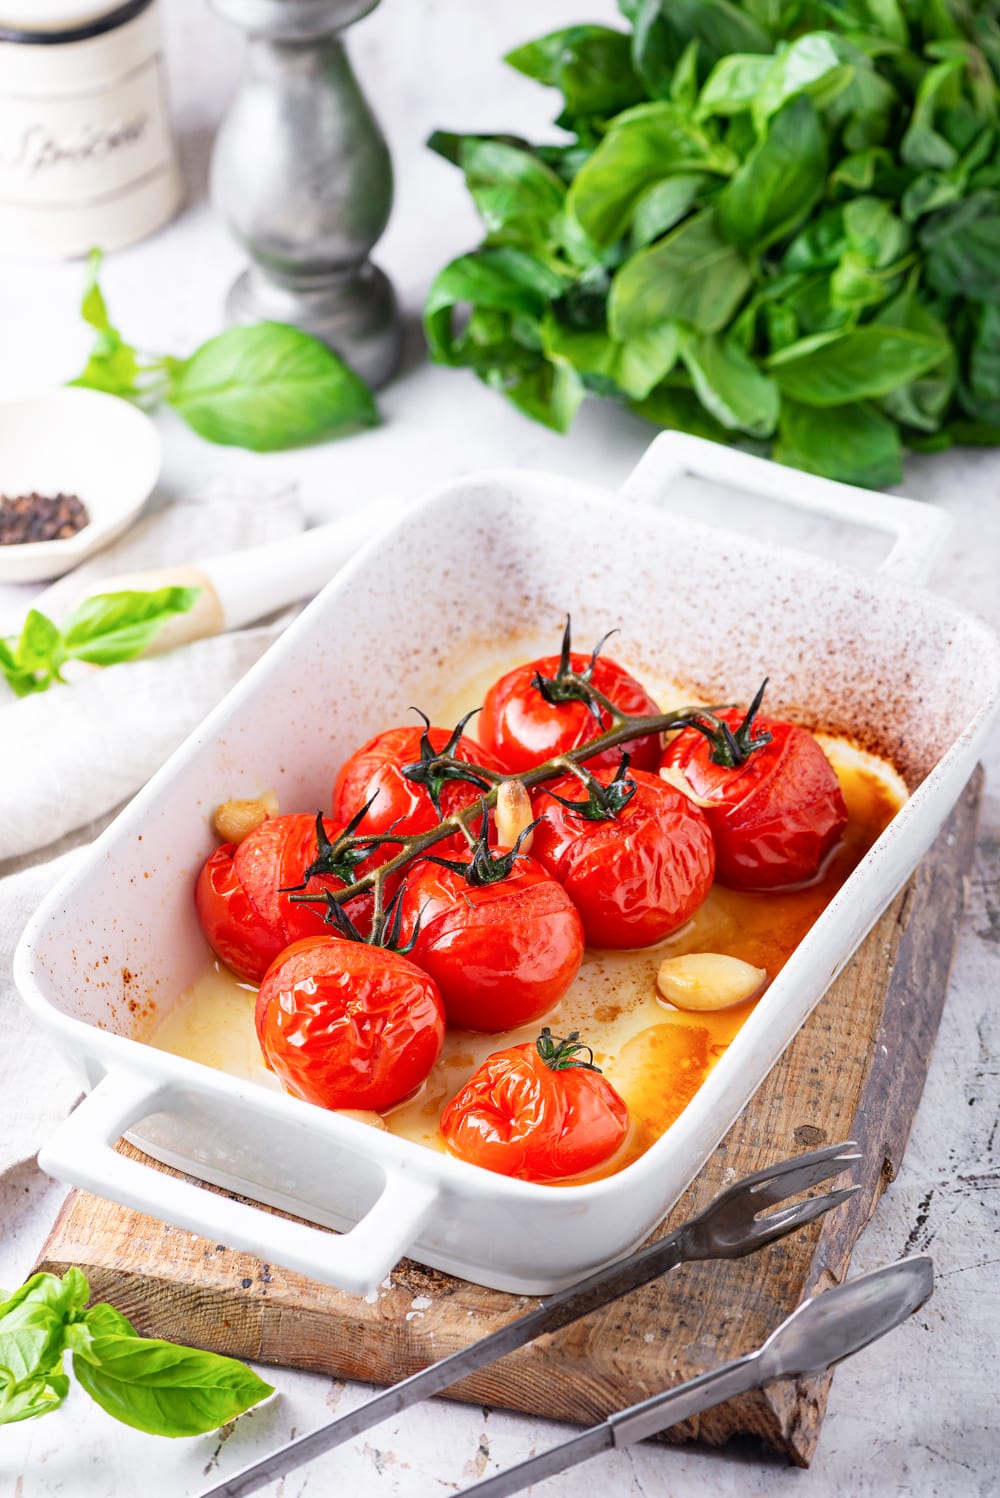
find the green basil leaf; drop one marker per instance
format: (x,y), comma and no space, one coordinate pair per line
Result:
(732,85)
(779,182)
(633,368)
(112,627)
(888,17)
(675,406)
(663,205)
(32,1320)
(921,405)
(694,275)
(684,84)
(963,250)
(642,147)
(511,188)
(269,387)
(819,245)
(819,62)
(29,1398)
(974,433)
(782,325)
(113,366)
(875,231)
(856,284)
(103,1320)
(550,394)
(664,28)
(93,308)
(857,173)
(21,682)
(590,65)
(922,146)
(166,1390)
(450,145)
(852,443)
(982,399)
(39,648)
(842,368)
(730,386)
(505,279)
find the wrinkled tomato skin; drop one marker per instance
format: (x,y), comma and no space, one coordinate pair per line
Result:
(502,954)
(519,1118)
(522,729)
(346,1025)
(238,894)
(775,817)
(634,878)
(376,769)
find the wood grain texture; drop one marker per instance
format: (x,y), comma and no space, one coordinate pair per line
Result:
(855,1070)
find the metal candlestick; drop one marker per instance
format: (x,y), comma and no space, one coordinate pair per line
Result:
(302,175)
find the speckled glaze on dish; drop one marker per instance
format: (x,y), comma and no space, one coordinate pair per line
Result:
(490,556)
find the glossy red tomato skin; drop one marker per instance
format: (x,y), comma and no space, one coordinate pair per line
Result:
(376,769)
(502,954)
(244,915)
(517,1117)
(522,729)
(635,878)
(774,818)
(346,1025)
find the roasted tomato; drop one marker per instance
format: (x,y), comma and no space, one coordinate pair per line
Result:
(348,1025)
(241,896)
(406,777)
(544,708)
(769,792)
(540,1111)
(633,854)
(501,939)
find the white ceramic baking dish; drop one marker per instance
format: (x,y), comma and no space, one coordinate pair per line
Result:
(503,553)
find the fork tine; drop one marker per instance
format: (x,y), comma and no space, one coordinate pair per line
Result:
(798,1215)
(792,1176)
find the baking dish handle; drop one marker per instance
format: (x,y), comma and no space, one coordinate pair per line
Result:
(82,1152)
(919,530)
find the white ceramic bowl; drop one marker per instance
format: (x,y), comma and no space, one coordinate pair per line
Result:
(75,441)
(911,676)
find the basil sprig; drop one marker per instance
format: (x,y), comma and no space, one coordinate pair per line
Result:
(151,1385)
(264,387)
(776,225)
(103,630)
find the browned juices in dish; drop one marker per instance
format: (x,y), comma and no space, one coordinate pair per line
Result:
(655,1056)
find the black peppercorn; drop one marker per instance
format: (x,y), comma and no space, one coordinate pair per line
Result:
(40,517)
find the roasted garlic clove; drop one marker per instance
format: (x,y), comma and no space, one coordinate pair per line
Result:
(513,814)
(708,980)
(235,820)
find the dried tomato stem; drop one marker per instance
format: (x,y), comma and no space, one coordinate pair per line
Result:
(624,729)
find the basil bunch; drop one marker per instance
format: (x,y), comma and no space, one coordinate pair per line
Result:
(153,1386)
(265,387)
(774,222)
(103,630)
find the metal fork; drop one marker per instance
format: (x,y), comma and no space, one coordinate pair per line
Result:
(728,1228)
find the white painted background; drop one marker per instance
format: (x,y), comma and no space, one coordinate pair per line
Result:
(916,1414)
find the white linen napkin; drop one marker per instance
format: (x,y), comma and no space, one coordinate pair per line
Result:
(71,756)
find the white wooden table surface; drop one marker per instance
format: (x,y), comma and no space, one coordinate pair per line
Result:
(916,1414)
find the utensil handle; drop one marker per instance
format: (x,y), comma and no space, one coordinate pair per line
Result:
(82,1152)
(919,530)
(241,586)
(251,584)
(632,1424)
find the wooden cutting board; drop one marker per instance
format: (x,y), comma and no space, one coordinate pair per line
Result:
(855,1070)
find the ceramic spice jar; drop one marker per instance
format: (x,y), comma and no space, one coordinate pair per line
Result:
(86,153)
